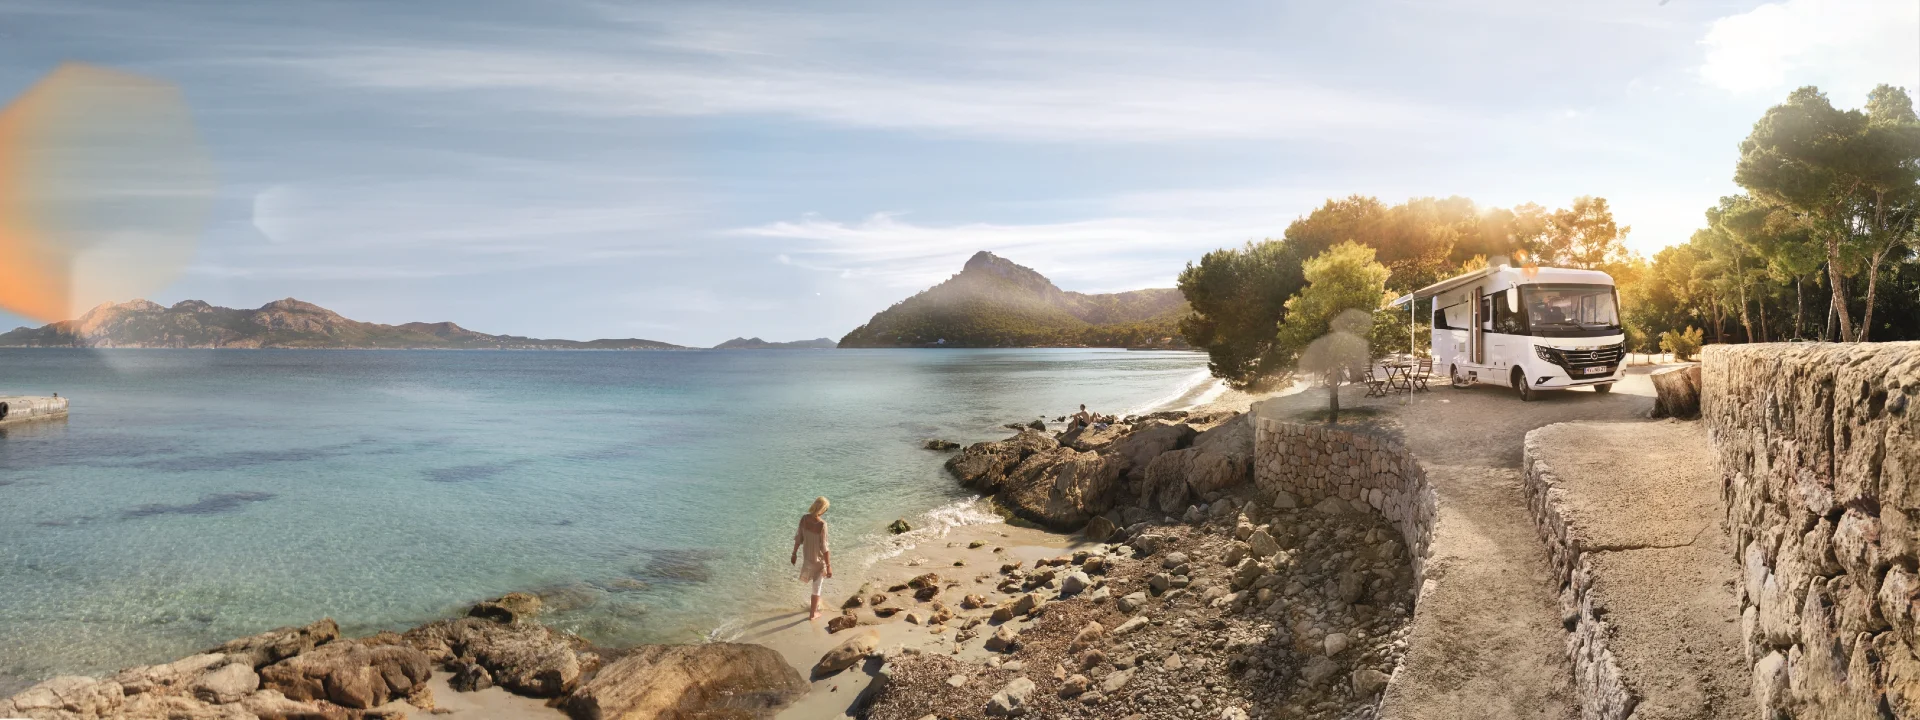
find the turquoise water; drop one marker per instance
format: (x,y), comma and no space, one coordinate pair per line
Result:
(195,496)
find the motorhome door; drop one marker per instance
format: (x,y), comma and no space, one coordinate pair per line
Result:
(1477,338)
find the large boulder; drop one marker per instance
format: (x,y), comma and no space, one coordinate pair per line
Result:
(1092,438)
(511,607)
(528,659)
(853,650)
(273,646)
(176,674)
(983,466)
(65,696)
(1146,442)
(717,680)
(1062,488)
(349,674)
(1218,459)
(228,684)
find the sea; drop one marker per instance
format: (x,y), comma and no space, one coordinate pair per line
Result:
(194,496)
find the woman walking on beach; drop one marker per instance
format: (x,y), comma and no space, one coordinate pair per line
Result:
(812,536)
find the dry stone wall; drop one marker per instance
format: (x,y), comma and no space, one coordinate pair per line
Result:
(1818,448)
(1312,463)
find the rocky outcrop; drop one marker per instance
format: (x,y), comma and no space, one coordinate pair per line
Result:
(1147,441)
(1219,458)
(531,660)
(719,680)
(279,644)
(350,674)
(983,466)
(1061,488)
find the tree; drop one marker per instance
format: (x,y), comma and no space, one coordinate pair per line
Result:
(1237,296)
(1326,327)
(1584,235)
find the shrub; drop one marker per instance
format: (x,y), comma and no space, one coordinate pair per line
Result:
(1682,343)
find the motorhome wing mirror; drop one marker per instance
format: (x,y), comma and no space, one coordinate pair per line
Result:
(1513,297)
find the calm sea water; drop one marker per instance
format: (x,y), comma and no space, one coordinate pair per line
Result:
(194,496)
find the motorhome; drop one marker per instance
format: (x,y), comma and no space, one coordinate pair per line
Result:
(1529,328)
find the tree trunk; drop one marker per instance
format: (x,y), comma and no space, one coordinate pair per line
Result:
(1799,307)
(1839,286)
(1333,397)
(1763,318)
(1677,392)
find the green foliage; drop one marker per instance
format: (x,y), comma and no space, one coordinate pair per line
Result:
(1388,333)
(1237,295)
(1345,277)
(1682,343)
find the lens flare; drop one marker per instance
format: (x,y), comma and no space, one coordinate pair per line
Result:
(104,191)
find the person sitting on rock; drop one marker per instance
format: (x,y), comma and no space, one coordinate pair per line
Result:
(812,535)
(1081,419)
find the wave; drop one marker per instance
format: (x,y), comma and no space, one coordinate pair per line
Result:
(1190,385)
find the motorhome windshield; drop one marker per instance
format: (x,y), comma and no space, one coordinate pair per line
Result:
(1570,310)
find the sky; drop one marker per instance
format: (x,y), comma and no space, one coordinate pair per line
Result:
(692,172)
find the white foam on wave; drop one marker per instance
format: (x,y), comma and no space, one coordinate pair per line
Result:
(1187,386)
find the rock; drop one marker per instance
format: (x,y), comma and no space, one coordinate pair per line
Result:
(1132,601)
(228,684)
(1368,681)
(1234,554)
(973,601)
(1074,685)
(1262,545)
(271,705)
(1173,662)
(1003,639)
(349,674)
(1147,543)
(940,445)
(1002,614)
(1247,573)
(279,644)
(1677,392)
(1147,441)
(1283,500)
(525,658)
(511,607)
(1092,658)
(66,696)
(1087,438)
(1061,488)
(154,678)
(1132,624)
(1233,713)
(1335,643)
(1317,670)
(1074,583)
(1116,680)
(1194,515)
(899,526)
(1173,560)
(915,618)
(1332,506)
(1011,701)
(731,680)
(984,466)
(1098,529)
(1089,636)
(1027,604)
(469,677)
(859,599)
(850,651)
(845,621)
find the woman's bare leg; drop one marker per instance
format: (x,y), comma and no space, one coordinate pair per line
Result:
(813,611)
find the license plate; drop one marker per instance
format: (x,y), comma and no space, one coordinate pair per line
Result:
(1595,370)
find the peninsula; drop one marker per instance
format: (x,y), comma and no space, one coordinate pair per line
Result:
(287,323)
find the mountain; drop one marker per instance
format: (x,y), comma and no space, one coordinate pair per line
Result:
(994,302)
(285,323)
(758,344)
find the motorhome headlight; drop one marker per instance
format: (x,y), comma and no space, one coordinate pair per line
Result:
(1545,353)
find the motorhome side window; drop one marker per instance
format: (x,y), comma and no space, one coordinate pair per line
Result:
(1454,317)
(1506,319)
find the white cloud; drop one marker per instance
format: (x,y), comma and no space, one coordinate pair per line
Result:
(978,81)
(1844,46)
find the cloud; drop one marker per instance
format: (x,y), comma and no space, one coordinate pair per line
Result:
(852,71)
(1844,46)
(1093,255)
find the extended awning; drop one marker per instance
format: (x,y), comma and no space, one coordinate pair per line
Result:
(1445,285)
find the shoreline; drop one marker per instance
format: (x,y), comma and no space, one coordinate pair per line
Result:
(781,626)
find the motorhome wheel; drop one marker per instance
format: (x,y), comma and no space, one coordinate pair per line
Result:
(1520,384)
(1603,388)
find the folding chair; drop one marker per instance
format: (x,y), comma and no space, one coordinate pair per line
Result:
(1376,387)
(1424,373)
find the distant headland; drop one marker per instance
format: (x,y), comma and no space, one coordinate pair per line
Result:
(285,323)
